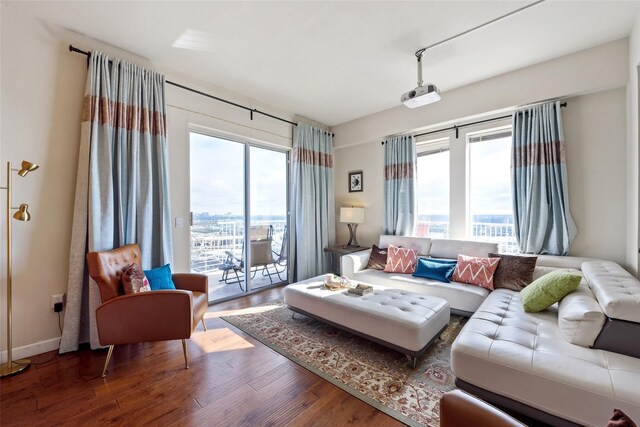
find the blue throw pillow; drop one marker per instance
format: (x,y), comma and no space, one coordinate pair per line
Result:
(160,278)
(435,269)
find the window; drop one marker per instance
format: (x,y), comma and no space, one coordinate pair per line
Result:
(464,184)
(433,189)
(490,201)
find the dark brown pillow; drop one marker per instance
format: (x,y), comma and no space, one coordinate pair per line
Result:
(134,280)
(514,272)
(378,258)
(620,419)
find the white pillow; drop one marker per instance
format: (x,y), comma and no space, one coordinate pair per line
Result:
(580,317)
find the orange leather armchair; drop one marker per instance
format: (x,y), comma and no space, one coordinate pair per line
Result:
(458,408)
(146,316)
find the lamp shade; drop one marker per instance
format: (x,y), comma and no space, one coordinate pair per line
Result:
(23,213)
(352,215)
(27,167)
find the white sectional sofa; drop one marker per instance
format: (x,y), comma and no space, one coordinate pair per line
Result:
(571,364)
(463,298)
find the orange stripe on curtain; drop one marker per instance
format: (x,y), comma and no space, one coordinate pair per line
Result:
(399,171)
(310,157)
(129,117)
(540,153)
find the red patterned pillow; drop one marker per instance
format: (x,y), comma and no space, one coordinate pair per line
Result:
(401,260)
(134,280)
(476,271)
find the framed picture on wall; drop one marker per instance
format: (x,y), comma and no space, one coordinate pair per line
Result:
(355,181)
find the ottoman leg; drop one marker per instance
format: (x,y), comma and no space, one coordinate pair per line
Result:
(414,361)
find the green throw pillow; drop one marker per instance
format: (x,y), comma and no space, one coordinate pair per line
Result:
(548,290)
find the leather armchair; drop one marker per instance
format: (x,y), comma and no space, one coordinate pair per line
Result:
(146,316)
(458,408)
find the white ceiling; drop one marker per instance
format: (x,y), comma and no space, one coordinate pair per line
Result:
(338,61)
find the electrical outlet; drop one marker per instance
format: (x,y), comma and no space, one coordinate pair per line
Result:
(56,298)
(179,222)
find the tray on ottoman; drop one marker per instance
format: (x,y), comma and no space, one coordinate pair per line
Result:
(403,321)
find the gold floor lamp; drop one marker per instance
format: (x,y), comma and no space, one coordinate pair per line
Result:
(14,366)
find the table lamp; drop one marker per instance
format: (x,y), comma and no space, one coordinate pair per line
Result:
(352,217)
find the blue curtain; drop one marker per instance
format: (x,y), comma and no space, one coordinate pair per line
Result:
(312,201)
(122,186)
(543,223)
(400,185)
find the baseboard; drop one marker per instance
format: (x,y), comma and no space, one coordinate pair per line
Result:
(32,349)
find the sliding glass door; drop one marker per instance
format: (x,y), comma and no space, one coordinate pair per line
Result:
(238,215)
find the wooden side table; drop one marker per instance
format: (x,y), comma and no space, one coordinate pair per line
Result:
(337,252)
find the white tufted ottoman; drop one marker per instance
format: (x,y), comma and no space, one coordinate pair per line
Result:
(403,321)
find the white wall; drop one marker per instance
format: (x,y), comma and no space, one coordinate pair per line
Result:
(598,68)
(633,153)
(595,133)
(42,90)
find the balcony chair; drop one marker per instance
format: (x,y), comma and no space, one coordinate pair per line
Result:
(147,316)
(261,240)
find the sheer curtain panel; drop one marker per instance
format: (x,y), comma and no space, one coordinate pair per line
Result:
(122,183)
(400,185)
(543,223)
(312,201)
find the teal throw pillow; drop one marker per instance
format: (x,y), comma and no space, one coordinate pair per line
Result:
(548,290)
(440,270)
(160,278)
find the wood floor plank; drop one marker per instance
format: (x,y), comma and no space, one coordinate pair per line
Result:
(233,380)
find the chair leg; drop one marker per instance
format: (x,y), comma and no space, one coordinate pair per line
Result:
(186,358)
(204,325)
(106,363)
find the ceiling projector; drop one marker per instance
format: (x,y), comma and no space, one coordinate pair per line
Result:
(422,95)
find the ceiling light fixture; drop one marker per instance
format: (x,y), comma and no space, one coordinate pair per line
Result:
(429,93)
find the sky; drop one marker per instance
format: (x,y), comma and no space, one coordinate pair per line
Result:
(217,178)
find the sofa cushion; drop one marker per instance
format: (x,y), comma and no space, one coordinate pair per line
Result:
(421,244)
(580,317)
(524,357)
(476,271)
(514,272)
(617,291)
(134,280)
(463,298)
(548,290)
(160,278)
(439,270)
(401,260)
(447,248)
(377,258)
(620,419)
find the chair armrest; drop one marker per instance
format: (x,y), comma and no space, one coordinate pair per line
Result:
(458,408)
(191,282)
(352,263)
(146,316)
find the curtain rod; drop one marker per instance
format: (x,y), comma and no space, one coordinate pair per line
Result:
(250,110)
(477,122)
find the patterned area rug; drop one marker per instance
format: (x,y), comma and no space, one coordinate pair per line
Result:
(381,377)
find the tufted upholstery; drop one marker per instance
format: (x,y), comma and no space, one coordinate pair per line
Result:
(401,318)
(524,357)
(146,316)
(617,291)
(109,266)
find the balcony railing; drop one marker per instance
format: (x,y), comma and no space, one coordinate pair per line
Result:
(210,241)
(502,234)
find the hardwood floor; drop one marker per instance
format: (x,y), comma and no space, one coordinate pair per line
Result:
(232,380)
